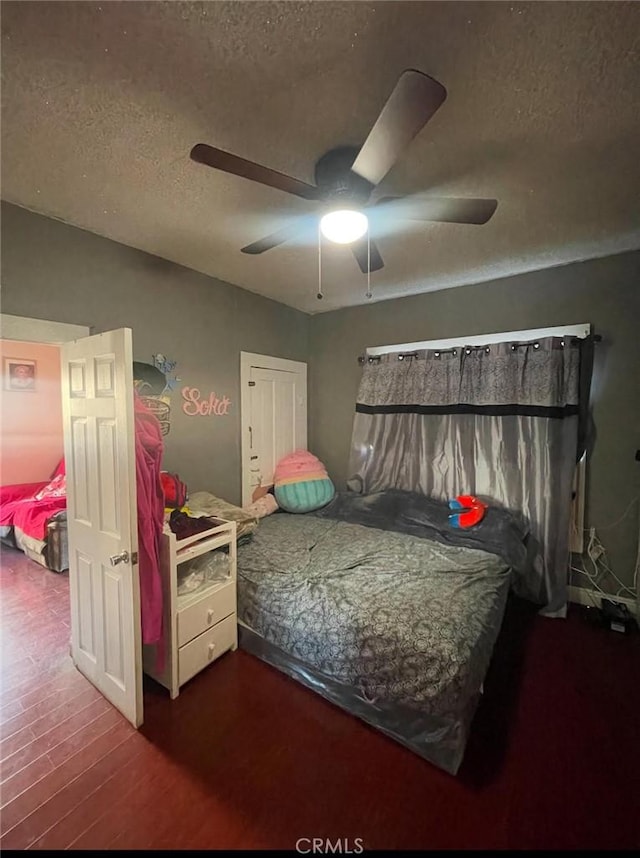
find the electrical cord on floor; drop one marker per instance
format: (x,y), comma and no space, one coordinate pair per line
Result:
(595,563)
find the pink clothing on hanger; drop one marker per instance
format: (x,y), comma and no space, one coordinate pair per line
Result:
(149,449)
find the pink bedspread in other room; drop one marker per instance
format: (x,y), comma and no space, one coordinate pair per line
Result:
(29,506)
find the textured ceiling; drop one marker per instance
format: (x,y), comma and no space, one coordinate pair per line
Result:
(102,102)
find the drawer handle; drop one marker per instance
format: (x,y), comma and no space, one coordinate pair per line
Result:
(210,615)
(212,646)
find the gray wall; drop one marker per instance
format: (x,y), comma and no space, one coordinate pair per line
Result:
(57,272)
(605,292)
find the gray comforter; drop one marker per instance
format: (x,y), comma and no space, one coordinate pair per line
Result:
(403,620)
(501,531)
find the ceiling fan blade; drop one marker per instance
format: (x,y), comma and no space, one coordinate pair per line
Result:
(412,103)
(442,209)
(359,249)
(269,241)
(205,154)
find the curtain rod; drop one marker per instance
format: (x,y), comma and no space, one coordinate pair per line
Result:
(577,330)
(478,343)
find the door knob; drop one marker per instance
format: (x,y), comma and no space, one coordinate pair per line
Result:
(123,557)
(212,646)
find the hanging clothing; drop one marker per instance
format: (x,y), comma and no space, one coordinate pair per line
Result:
(149,449)
(500,422)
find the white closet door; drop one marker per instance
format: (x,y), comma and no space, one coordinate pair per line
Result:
(276,422)
(98,413)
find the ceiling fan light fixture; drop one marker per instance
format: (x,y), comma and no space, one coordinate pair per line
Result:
(346,177)
(344,226)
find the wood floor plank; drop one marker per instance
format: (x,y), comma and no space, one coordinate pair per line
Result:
(72,703)
(148,827)
(56,706)
(13,743)
(18,667)
(16,809)
(23,624)
(79,740)
(25,778)
(132,777)
(69,679)
(190,792)
(84,713)
(34,826)
(124,813)
(12,661)
(60,663)
(42,685)
(133,818)
(10,710)
(21,604)
(44,632)
(19,608)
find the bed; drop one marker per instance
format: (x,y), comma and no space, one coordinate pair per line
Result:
(379,605)
(33,518)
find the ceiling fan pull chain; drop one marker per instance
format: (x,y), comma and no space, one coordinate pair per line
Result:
(368,292)
(319,296)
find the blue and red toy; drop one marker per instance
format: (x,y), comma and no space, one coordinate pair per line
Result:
(468,510)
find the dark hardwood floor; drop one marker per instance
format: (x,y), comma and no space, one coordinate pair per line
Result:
(247,759)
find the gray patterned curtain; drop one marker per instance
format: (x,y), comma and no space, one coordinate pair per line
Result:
(499,422)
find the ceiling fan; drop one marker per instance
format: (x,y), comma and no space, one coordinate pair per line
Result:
(347,176)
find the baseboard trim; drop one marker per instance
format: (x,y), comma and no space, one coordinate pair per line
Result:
(585,596)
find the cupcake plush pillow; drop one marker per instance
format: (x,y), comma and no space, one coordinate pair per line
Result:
(301,483)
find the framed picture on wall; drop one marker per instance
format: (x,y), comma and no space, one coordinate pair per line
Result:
(19,374)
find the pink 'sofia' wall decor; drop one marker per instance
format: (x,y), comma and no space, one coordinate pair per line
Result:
(194,405)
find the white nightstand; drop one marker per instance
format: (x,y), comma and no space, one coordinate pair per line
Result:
(199,626)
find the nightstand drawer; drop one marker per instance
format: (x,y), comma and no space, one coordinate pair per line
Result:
(206,648)
(206,612)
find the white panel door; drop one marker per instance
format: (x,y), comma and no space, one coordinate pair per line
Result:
(97,395)
(277,420)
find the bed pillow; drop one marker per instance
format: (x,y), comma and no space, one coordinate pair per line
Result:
(301,483)
(305,496)
(56,488)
